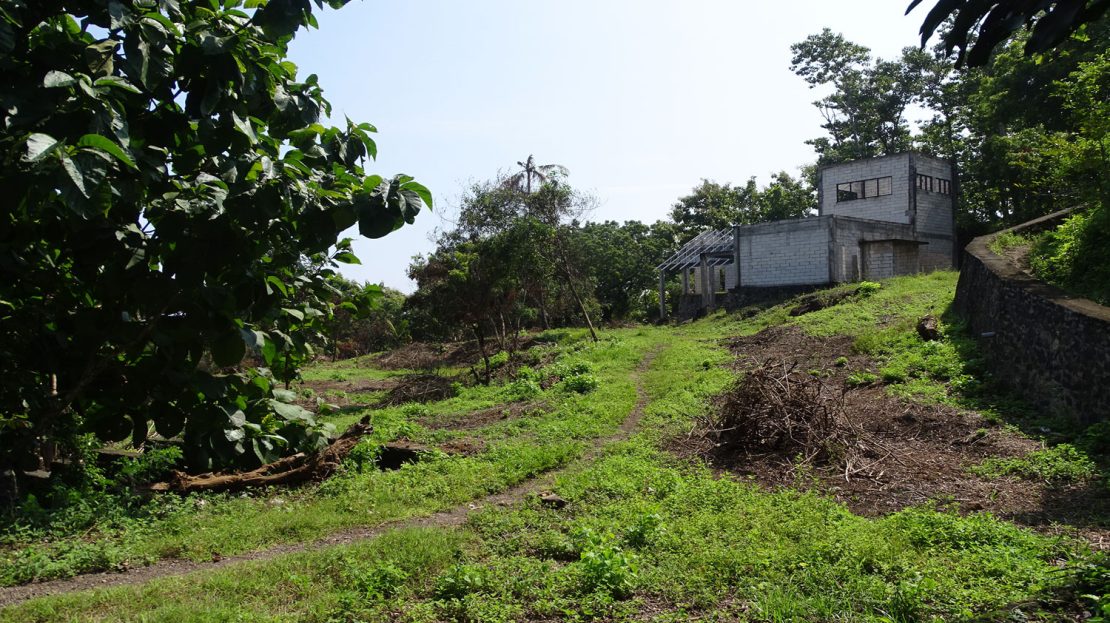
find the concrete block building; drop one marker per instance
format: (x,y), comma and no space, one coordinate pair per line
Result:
(877,218)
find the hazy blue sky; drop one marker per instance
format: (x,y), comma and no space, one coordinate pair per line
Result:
(640,99)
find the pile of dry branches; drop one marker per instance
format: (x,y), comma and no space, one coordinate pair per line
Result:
(420,388)
(776,410)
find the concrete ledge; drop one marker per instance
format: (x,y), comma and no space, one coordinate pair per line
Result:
(1049,346)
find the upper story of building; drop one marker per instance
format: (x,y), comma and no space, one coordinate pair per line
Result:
(909,188)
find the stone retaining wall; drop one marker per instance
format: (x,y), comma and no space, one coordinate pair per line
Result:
(1050,347)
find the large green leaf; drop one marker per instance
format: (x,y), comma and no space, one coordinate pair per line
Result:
(102,143)
(40,146)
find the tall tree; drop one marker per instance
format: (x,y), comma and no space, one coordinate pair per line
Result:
(530,171)
(167,174)
(865,112)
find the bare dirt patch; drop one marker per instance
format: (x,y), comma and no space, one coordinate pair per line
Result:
(484,417)
(911,453)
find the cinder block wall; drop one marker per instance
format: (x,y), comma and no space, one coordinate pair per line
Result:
(894,207)
(846,235)
(934,220)
(785,253)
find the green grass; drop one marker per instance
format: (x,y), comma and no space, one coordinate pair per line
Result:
(645,536)
(1008,240)
(200,527)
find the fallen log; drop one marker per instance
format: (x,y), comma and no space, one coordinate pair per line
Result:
(291,470)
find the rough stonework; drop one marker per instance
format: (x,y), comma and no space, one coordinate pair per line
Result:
(1050,347)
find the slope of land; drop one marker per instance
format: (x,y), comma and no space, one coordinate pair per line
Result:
(964,515)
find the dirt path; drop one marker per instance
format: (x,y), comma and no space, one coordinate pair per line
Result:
(455,516)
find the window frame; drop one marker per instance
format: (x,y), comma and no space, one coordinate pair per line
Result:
(845,188)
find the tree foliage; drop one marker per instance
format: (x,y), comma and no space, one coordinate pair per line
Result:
(865,112)
(173,196)
(977,27)
(711,205)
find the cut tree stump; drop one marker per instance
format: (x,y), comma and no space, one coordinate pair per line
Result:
(296,469)
(929,328)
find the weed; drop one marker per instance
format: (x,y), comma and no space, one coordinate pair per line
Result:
(1062,463)
(1008,240)
(379,581)
(841,362)
(607,568)
(498,360)
(461,580)
(861,379)
(646,528)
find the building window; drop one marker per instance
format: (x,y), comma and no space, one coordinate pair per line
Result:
(924,182)
(934,184)
(863,189)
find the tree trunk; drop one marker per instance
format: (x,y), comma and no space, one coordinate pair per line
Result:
(296,469)
(482,349)
(570,284)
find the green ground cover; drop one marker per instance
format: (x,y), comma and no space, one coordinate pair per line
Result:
(645,535)
(130,532)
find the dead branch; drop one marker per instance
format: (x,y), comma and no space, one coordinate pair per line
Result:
(776,410)
(296,469)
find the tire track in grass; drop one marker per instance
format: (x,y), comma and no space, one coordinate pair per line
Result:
(453,517)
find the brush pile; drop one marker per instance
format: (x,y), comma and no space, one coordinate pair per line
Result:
(774,409)
(420,388)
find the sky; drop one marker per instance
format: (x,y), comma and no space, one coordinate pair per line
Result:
(639,99)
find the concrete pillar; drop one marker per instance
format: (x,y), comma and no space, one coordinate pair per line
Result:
(736,254)
(706,287)
(662,295)
(685,281)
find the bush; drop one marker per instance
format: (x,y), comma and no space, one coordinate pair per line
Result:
(867,288)
(1075,255)
(581,383)
(607,569)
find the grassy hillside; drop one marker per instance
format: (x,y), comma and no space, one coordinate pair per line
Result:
(642,528)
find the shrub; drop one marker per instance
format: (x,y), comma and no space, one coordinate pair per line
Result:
(498,360)
(523,389)
(867,288)
(581,383)
(1075,255)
